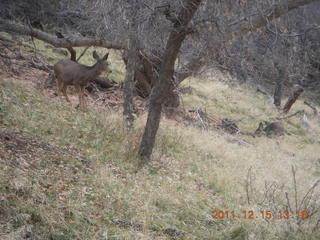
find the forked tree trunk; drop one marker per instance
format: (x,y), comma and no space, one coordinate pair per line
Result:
(145,75)
(164,82)
(146,69)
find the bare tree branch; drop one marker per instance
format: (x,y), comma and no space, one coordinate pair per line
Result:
(244,26)
(163,86)
(257,21)
(9,26)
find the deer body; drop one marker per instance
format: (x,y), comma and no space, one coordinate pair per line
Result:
(274,129)
(270,129)
(71,73)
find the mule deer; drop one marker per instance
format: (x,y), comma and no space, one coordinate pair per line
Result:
(71,73)
(272,129)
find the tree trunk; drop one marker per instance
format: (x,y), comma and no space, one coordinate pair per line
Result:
(145,72)
(128,118)
(296,92)
(234,29)
(251,24)
(73,53)
(171,102)
(128,90)
(263,18)
(193,66)
(164,82)
(278,87)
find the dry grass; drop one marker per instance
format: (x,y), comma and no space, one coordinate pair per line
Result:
(193,172)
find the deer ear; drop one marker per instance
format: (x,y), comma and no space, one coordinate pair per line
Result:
(95,55)
(106,56)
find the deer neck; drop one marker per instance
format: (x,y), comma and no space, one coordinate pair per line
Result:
(96,69)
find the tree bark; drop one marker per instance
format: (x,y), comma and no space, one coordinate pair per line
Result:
(164,82)
(145,73)
(296,92)
(236,28)
(278,93)
(249,24)
(9,26)
(128,117)
(128,90)
(278,87)
(193,66)
(258,20)
(73,53)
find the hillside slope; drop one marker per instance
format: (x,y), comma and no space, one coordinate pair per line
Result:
(67,174)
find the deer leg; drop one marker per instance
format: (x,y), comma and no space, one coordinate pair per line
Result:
(78,89)
(83,96)
(64,91)
(59,86)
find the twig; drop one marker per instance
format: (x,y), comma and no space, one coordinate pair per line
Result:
(259,89)
(317,225)
(7,47)
(295,187)
(291,115)
(237,140)
(310,192)
(32,39)
(314,108)
(248,184)
(35,47)
(5,56)
(54,148)
(84,51)
(199,113)
(288,202)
